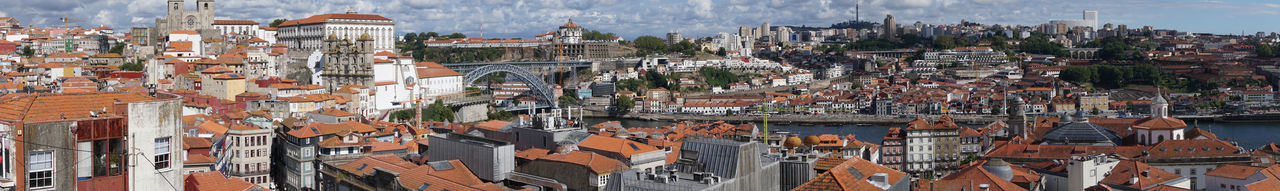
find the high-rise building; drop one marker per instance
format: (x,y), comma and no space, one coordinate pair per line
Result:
(674,37)
(1091,17)
(890,27)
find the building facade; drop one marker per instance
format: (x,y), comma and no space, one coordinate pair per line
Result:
(310,33)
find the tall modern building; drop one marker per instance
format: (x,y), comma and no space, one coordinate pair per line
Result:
(890,27)
(674,37)
(1089,19)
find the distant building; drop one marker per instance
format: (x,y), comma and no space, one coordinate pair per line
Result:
(890,30)
(179,18)
(310,33)
(674,38)
(348,62)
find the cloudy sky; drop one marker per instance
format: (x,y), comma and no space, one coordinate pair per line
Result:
(631,18)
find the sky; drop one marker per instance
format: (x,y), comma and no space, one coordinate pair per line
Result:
(633,18)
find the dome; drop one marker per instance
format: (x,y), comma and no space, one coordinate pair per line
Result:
(999,168)
(811,140)
(792,142)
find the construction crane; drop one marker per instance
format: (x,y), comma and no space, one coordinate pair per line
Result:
(66,20)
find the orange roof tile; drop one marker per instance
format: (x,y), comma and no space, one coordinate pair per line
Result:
(49,107)
(325,17)
(216,181)
(596,162)
(842,177)
(624,147)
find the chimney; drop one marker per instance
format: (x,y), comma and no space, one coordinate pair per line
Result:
(1133,180)
(984,187)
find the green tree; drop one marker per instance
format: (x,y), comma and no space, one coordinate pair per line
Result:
(624,104)
(277,22)
(438,112)
(722,52)
(429,35)
(118,48)
(27,52)
(656,80)
(629,84)
(567,100)
(456,35)
(718,77)
(650,44)
(944,42)
(411,37)
(133,66)
(502,115)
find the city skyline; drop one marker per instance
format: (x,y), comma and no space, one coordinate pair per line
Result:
(497,18)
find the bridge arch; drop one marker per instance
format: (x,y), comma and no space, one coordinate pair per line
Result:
(537,86)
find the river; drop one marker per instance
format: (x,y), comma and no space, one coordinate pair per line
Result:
(1248,135)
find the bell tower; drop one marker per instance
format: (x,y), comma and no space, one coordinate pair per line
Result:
(205,11)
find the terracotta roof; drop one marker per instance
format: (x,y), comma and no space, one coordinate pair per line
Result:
(318,129)
(625,147)
(971,176)
(1160,123)
(325,17)
(596,162)
(49,107)
(190,32)
(193,158)
(196,142)
(1147,175)
(436,72)
(456,176)
(532,153)
(852,174)
(1272,181)
(492,125)
(216,181)
(332,112)
(1193,148)
(827,163)
(1235,171)
(365,165)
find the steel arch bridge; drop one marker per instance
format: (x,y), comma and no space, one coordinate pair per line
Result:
(537,86)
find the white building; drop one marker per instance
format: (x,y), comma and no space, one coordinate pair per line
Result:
(247,154)
(309,33)
(243,27)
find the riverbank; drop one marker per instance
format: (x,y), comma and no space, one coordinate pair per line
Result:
(808,120)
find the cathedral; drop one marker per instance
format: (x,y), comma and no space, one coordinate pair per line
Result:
(180,18)
(347,62)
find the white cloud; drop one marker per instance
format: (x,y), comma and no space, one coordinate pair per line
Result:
(630,18)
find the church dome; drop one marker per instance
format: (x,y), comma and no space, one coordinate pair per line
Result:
(999,168)
(811,140)
(792,142)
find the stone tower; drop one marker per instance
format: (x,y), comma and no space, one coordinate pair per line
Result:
(179,18)
(348,62)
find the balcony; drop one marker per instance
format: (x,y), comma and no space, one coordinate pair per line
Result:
(249,173)
(103,183)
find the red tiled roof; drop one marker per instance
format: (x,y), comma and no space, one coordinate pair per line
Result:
(1127,169)
(625,147)
(216,181)
(1160,123)
(325,17)
(1193,148)
(596,162)
(840,178)
(48,107)
(1234,171)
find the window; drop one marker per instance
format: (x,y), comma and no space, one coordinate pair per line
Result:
(1193,171)
(1177,171)
(40,169)
(162,153)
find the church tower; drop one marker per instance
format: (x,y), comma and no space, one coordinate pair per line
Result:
(205,13)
